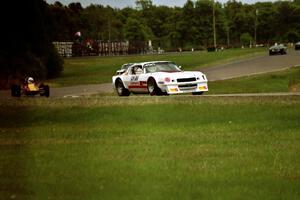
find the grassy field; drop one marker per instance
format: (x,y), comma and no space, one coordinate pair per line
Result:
(94,70)
(142,147)
(281,81)
(174,147)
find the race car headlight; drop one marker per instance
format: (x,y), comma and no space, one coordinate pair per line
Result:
(167,79)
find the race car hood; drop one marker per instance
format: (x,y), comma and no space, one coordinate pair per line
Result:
(276,47)
(182,74)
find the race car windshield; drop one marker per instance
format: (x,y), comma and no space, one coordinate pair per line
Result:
(125,66)
(162,67)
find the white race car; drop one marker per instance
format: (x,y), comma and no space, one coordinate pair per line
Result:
(159,78)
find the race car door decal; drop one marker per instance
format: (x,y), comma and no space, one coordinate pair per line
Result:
(136,84)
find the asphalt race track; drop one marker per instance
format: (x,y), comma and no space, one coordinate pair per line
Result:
(257,65)
(252,66)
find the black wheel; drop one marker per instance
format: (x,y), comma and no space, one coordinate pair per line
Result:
(16,91)
(270,53)
(121,90)
(153,89)
(44,90)
(197,93)
(47,91)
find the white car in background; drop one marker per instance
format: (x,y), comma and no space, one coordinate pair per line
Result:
(159,78)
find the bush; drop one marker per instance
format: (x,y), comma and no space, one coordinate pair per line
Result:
(246,39)
(54,63)
(15,68)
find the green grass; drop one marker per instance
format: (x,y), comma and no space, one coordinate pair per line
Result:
(174,147)
(281,81)
(94,70)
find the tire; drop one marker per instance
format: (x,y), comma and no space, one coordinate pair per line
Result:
(121,90)
(44,90)
(152,87)
(47,91)
(270,53)
(16,91)
(197,93)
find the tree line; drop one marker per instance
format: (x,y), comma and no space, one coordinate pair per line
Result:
(170,28)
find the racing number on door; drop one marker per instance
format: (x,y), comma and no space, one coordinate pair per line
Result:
(134,83)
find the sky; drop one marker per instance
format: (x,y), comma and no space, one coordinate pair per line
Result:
(131,3)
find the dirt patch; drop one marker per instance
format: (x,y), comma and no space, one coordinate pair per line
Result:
(294,88)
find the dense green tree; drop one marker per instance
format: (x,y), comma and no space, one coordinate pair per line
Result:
(143,4)
(235,19)
(203,22)
(287,18)
(137,35)
(172,30)
(246,39)
(26,48)
(266,28)
(186,27)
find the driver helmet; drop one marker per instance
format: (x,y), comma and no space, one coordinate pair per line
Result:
(30,80)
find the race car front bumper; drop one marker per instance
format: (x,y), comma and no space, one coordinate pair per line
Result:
(184,88)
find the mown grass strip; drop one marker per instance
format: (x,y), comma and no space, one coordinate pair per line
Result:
(150,148)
